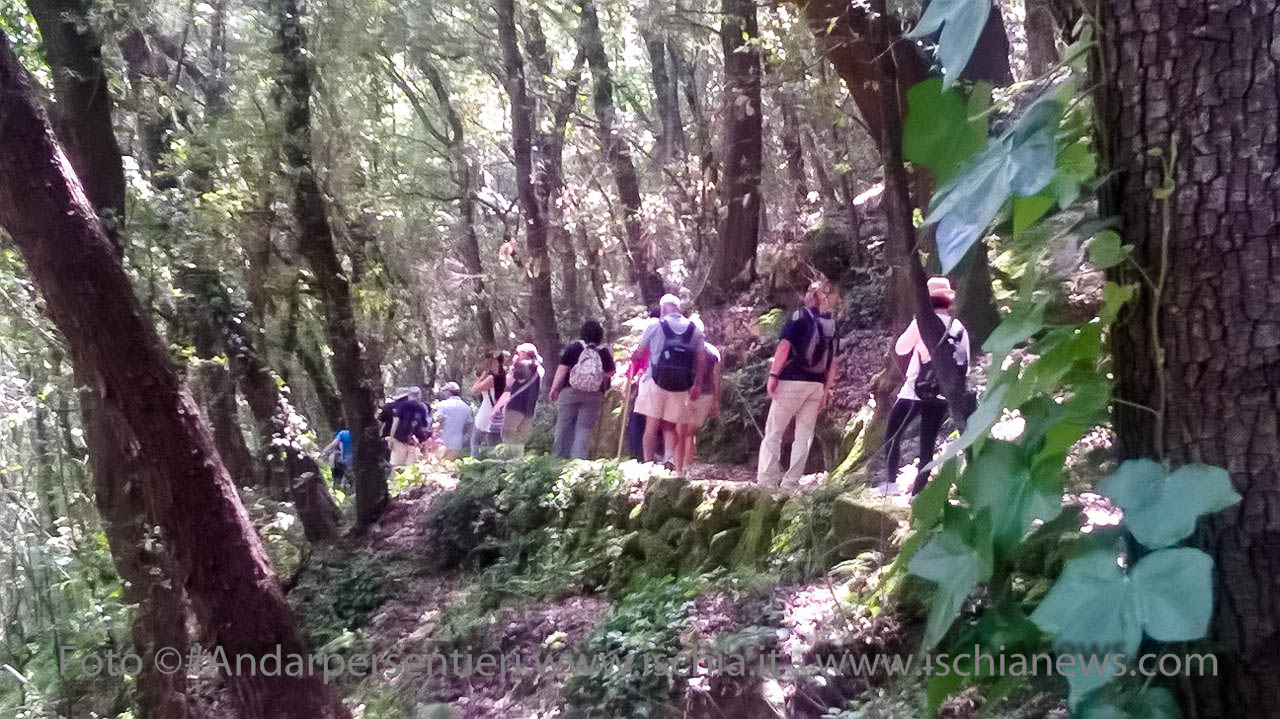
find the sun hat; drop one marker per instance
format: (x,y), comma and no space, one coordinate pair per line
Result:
(941,287)
(669,299)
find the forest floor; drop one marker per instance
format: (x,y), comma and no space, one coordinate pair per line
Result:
(801,617)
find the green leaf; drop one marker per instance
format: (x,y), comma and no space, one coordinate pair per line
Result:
(1026,210)
(955,559)
(1106,251)
(927,506)
(1000,479)
(938,132)
(1173,591)
(1022,322)
(1114,296)
(961,23)
(1162,510)
(1021,162)
(1090,606)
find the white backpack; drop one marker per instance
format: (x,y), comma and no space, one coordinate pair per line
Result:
(588,374)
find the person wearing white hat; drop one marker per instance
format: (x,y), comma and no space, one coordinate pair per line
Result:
(455,415)
(920,393)
(673,347)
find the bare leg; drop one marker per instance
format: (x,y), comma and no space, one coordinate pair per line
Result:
(651,427)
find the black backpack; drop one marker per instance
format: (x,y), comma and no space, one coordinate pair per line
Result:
(928,387)
(818,350)
(673,368)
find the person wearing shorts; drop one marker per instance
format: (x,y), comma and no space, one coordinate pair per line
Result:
(518,403)
(664,409)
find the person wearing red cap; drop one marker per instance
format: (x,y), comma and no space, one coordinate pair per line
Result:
(920,393)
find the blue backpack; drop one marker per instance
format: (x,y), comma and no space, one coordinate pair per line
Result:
(673,368)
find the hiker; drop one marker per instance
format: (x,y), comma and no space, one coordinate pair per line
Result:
(800,378)
(699,410)
(340,454)
(635,421)
(921,394)
(585,372)
(517,403)
(672,345)
(455,415)
(410,421)
(490,386)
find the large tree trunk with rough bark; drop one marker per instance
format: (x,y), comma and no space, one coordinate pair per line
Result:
(315,242)
(230,582)
(1203,80)
(541,303)
(734,266)
(641,255)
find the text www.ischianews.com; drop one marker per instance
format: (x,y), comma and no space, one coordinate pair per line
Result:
(199,661)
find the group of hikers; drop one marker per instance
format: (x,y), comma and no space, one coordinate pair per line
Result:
(676,374)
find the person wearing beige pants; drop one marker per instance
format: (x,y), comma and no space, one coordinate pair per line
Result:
(798,400)
(800,377)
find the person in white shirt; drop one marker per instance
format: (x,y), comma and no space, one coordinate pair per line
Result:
(920,394)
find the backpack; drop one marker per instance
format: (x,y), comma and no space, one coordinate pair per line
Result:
(588,374)
(815,356)
(673,369)
(928,387)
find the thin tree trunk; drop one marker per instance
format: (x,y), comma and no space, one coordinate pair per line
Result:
(735,260)
(230,581)
(794,155)
(1042,49)
(541,301)
(640,251)
(1202,81)
(316,244)
(309,355)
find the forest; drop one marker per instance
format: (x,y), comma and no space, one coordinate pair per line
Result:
(416,359)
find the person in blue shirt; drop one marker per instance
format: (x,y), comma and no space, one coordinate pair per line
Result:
(455,415)
(340,453)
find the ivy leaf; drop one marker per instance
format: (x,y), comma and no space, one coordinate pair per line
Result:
(1025,320)
(1000,479)
(938,132)
(1106,251)
(955,559)
(1020,162)
(961,23)
(1162,510)
(1173,589)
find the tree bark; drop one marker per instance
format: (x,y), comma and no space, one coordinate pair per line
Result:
(82,116)
(734,266)
(229,579)
(541,302)
(666,93)
(1204,352)
(316,244)
(641,254)
(1042,48)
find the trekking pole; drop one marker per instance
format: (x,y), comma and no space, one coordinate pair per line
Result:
(624,415)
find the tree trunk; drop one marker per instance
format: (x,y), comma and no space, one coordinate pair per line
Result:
(794,154)
(735,260)
(308,351)
(82,116)
(1042,49)
(666,93)
(463,173)
(316,244)
(1204,353)
(114,345)
(641,254)
(541,303)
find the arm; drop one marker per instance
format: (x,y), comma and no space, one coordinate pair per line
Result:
(395,424)
(330,449)
(909,338)
(638,358)
(562,374)
(699,371)
(780,356)
(716,389)
(482,385)
(506,396)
